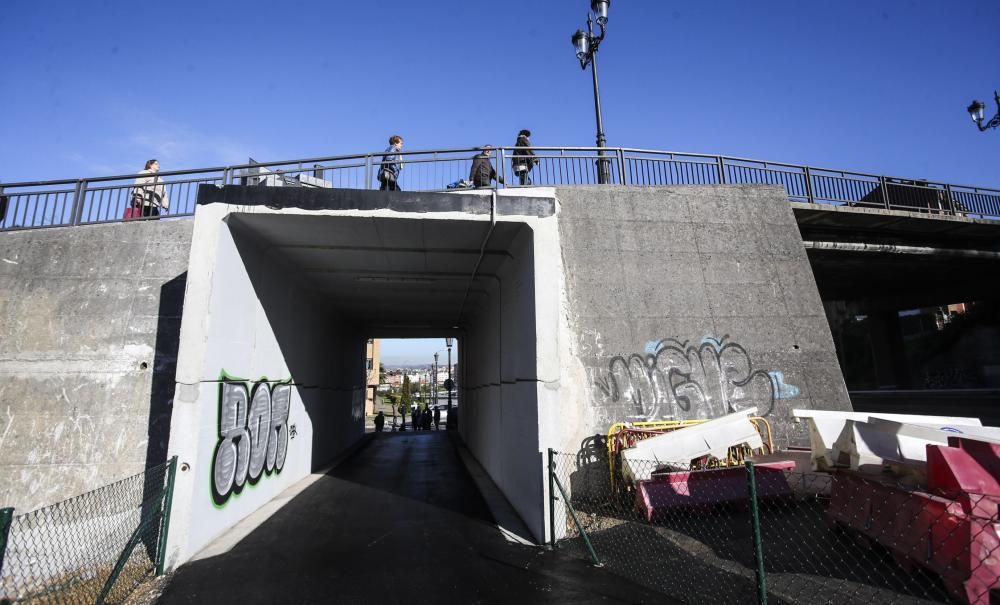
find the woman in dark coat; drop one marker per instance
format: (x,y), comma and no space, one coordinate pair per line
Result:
(524,158)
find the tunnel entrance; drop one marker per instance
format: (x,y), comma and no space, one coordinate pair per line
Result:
(408,377)
(281,318)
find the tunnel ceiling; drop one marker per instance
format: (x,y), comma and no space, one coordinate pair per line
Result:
(396,276)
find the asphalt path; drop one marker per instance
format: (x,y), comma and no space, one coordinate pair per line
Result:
(400,521)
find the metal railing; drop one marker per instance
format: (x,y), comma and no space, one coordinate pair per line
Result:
(30,205)
(93,548)
(767,533)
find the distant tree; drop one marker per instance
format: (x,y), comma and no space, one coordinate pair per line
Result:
(381,373)
(405,396)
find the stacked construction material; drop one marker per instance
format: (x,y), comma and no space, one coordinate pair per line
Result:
(925,488)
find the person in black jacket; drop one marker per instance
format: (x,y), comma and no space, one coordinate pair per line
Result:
(482,170)
(524,158)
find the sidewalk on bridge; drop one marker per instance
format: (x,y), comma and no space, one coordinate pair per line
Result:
(399,521)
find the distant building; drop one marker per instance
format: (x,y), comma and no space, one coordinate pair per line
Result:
(372,355)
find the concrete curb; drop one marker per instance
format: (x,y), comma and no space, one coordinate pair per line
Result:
(510,524)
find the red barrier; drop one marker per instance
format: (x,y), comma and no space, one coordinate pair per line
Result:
(950,529)
(704,488)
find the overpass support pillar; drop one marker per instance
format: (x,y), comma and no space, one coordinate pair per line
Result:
(892,369)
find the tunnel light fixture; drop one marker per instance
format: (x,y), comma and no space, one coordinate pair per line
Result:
(395,280)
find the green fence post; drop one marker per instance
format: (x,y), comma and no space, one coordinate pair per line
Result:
(552,498)
(576,521)
(758,545)
(167,502)
(6,519)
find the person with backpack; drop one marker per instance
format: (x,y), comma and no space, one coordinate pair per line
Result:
(482,172)
(524,158)
(391,165)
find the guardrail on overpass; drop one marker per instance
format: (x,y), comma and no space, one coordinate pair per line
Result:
(32,205)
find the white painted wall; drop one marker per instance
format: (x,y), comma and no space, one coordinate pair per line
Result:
(245,317)
(511,359)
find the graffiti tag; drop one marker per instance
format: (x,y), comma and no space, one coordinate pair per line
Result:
(677,380)
(253,434)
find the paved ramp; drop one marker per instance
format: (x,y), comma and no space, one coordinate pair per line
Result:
(401,521)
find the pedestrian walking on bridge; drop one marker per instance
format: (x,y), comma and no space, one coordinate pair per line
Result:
(483,172)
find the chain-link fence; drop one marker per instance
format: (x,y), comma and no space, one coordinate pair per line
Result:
(715,536)
(93,548)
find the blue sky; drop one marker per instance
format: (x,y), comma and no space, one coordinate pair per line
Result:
(880,86)
(410,351)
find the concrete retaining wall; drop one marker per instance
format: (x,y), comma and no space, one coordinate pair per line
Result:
(626,304)
(691,302)
(89,323)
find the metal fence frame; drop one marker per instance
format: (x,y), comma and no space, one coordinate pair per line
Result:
(102,199)
(759,532)
(46,560)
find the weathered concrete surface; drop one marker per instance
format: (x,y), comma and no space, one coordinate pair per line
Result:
(693,302)
(89,320)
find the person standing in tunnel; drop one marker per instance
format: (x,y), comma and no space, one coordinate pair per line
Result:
(425,419)
(415,417)
(379,421)
(402,415)
(437,418)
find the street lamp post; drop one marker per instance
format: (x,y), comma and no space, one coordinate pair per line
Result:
(586,45)
(451,384)
(976,113)
(435,381)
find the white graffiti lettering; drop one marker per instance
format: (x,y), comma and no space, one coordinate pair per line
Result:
(675,380)
(253,434)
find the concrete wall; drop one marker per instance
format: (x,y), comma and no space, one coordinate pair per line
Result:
(89,323)
(270,384)
(499,418)
(626,304)
(690,302)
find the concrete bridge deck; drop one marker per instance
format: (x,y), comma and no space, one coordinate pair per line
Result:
(400,521)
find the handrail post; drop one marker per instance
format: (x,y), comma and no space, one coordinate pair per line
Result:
(227,176)
(885,192)
(621,166)
(79,196)
(758,544)
(501,159)
(168,499)
(809,188)
(6,520)
(722,169)
(949,202)
(368,171)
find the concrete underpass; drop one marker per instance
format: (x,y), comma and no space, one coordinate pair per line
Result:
(575,308)
(400,521)
(279,307)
